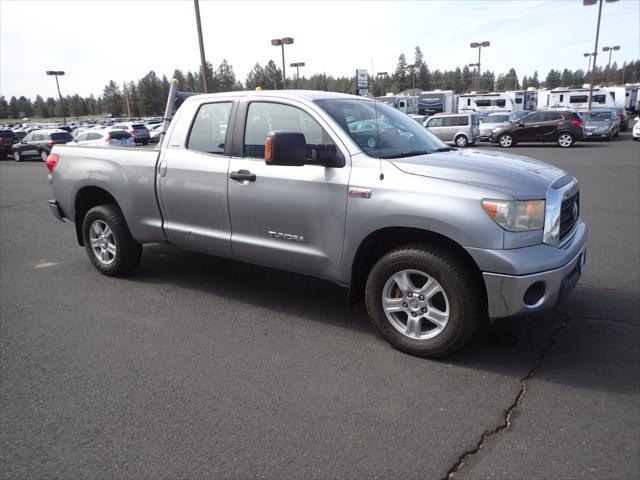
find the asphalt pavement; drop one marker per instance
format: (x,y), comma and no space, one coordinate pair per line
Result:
(199,367)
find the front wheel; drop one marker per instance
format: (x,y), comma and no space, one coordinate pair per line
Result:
(108,242)
(44,156)
(423,300)
(461,141)
(565,140)
(506,140)
(16,156)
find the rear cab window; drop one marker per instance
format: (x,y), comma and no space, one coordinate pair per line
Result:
(209,130)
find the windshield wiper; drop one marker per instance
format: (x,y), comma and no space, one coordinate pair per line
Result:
(410,154)
(445,149)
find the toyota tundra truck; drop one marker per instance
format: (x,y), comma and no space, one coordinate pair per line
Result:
(436,239)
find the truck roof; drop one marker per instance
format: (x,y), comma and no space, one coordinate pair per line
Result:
(305,94)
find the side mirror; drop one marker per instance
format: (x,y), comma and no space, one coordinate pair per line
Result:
(521,124)
(285,148)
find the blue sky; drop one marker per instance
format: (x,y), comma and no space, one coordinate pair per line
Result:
(96,41)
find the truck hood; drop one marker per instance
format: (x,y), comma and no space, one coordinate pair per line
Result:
(521,177)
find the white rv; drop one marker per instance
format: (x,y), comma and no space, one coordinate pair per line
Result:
(404,103)
(437,101)
(578,98)
(525,99)
(632,98)
(482,102)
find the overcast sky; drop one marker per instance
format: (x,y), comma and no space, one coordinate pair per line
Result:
(95,41)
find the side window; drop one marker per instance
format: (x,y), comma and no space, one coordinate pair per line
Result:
(462,120)
(209,129)
(534,117)
(551,116)
(264,117)
(82,137)
(28,137)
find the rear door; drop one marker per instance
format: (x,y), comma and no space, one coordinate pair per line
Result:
(287,217)
(548,129)
(192,176)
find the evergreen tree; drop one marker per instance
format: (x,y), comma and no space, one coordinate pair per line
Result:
(273,76)
(4,107)
(112,100)
(225,77)
(400,78)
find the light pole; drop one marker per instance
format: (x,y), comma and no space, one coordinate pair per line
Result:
(382,75)
(595,49)
(413,76)
(589,67)
(610,50)
(479,46)
(281,42)
(57,73)
(475,66)
(202,60)
(297,65)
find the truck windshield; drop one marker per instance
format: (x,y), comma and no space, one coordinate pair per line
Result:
(381,131)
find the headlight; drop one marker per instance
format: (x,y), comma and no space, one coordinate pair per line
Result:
(515,215)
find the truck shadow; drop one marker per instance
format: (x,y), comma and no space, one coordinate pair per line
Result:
(597,350)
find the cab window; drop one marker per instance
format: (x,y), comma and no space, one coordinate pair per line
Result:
(209,129)
(265,117)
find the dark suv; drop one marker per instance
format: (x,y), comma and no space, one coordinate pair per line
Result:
(560,126)
(7,139)
(39,142)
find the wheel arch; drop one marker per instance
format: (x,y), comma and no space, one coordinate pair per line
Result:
(381,241)
(86,198)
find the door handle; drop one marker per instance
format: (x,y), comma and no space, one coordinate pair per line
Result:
(163,169)
(243,176)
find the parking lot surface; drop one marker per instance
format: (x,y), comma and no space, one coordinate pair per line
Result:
(199,367)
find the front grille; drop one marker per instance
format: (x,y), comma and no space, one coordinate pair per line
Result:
(569,214)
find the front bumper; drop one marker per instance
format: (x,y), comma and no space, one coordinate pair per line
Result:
(512,294)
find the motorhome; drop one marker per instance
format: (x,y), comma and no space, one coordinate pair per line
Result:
(632,98)
(525,99)
(578,98)
(437,101)
(404,103)
(482,102)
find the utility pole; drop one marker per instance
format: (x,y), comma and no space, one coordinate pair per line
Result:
(202,58)
(57,73)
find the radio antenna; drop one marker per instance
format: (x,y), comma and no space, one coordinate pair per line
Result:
(375,105)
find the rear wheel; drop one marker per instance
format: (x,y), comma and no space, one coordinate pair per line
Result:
(506,140)
(461,140)
(108,242)
(565,140)
(43,155)
(423,300)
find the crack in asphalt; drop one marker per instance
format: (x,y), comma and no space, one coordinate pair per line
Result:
(508,414)
(601,319)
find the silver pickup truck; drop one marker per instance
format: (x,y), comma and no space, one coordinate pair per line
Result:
(342,188)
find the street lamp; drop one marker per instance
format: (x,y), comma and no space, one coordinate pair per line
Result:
(589,67)
(479,46)
(57,73)
(382,75)
(474,66)
(297,65)
(595,49)
(281,42)
(610,50)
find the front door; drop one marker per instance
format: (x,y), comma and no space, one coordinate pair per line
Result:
(281,216)
(529,127)
(193,181)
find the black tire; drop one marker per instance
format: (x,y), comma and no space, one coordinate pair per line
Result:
(43,155)
(128,251)
(465,302)
(503,140)
(461,141)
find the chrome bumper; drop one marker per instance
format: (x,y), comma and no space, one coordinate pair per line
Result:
(56,211)
(510,295)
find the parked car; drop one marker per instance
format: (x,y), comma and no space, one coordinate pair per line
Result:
(493,121)
(104,138)
(624,118)
(39,142)
(7,139)
(436,239)
(601,124)
(563,127)
(155,132)
(460,128)
(138,131)
(636,129)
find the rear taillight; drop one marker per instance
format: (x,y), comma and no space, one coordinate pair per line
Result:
(52,161)
(576,122)
(52,143)
(108,138)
